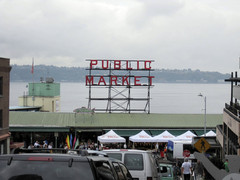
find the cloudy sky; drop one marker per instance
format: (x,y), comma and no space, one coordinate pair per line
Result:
(177,34)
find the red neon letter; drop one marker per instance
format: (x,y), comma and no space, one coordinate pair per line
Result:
(93,62)
(101,80)
(125,79)
(103,64)
(145,65)
(113,78)
(150,80)
(137,65)
(128,68)
(89,81)
(137,80)
(117,64)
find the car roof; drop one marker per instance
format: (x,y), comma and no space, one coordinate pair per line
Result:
(43,157)
(163,164)
(102,158)
(125,150)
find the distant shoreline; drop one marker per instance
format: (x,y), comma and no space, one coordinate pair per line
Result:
(76,74)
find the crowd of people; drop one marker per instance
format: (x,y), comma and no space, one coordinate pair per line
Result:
(45,145)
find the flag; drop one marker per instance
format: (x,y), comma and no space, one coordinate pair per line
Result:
(67,142)
(76,144)
(32,70)
(74,141)
(71,141)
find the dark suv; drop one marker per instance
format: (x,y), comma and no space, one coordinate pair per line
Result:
(47,166)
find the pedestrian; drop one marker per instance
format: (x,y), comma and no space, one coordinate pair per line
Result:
(50,146)
(176,170)
(61,145)
(199,171)
(65,146)
(36,144)
(30,146)
(186,169)
(226,165)
(45,144)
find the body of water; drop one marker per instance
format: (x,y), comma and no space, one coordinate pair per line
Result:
(165,97)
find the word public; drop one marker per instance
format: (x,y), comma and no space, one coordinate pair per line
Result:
(119,80)
(121,64)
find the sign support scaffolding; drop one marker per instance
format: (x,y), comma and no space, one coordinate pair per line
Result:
(121,79)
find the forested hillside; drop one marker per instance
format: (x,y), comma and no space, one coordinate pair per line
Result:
(77,74)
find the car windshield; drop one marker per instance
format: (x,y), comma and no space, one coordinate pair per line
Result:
(45,170)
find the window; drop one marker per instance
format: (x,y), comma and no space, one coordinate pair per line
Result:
(125,171)
(117,156)
(104,171)
(47,170)
(118,171)
(1,86)
(1,119)
(134,161)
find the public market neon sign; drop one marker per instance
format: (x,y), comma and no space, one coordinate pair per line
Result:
(120,79)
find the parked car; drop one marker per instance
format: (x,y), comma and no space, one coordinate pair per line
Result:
(168,175)
(48,166)
(141,164)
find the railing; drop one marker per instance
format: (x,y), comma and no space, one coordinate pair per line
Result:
(234,108)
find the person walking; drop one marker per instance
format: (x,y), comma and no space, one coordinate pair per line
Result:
(199,171)
(226,165)
(186,169)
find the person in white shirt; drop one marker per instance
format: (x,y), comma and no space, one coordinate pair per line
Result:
(36,144)
(186,169)
(50,146)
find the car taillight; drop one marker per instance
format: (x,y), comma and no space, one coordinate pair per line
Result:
(40,159)
(149,178)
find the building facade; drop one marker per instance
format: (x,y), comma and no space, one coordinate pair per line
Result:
(45,95)
(228,134)
(5,69)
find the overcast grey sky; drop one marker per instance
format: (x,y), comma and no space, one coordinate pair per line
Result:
(177,34)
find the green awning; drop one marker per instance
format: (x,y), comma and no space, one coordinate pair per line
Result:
(129,132)
(177,132)
(38,129)
(201,132)
(156,132)
(126,133)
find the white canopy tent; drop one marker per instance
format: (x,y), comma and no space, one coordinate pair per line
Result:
(141,137)
(187,136)
(210,133)
(164,137)
(111,137)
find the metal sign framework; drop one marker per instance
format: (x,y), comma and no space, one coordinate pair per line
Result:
(121,78)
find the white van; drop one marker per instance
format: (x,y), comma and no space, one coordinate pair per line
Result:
(141,164)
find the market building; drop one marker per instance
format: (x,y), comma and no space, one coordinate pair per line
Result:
(32,126)
(5,69)
(42,96)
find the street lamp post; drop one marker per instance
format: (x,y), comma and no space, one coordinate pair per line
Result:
(205,112)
